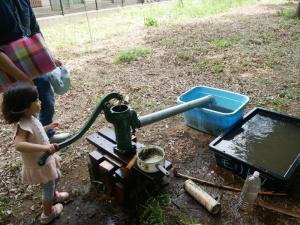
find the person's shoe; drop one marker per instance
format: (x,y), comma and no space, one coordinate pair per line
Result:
(56,211)
(57,138)
(61,196)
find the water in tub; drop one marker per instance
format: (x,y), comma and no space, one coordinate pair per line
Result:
(265,142)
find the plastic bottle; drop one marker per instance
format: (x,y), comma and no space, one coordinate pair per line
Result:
(249,192)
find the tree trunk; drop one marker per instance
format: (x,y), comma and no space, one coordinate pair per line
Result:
(298,10)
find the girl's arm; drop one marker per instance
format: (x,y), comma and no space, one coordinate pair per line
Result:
(22,145)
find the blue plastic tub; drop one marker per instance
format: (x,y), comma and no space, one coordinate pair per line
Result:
(226,110)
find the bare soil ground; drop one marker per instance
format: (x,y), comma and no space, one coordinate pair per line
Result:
(261,60)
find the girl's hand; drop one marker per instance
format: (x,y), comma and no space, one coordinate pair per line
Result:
(52,126)
(52,148)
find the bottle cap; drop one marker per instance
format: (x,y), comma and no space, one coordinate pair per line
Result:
(256,174)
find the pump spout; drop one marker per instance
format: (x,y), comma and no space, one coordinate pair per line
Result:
(165,113)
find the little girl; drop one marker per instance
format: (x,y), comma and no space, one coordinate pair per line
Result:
(19,106)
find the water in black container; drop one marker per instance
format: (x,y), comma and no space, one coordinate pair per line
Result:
(263,141)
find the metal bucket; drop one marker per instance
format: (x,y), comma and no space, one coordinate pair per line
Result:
(151,159)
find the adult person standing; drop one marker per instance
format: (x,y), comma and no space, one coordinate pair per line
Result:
(18,20)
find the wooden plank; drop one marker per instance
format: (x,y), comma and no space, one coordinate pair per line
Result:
(106,166)
(110,135)
(113,160)
(106,147)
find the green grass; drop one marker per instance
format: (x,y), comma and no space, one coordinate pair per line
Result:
(286,13)
(37,196)
(150,21)
(293,94)
(215,65)
(184,55)
(175,11)
(225,42)
(221,43)
(5,206)
(18,163)
(189,221)
(128,55)
(153,213)
(168,42)
(79,31)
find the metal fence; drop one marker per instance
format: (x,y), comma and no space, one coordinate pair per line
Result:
(44,8)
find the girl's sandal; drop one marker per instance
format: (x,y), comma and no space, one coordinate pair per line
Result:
(61,196)
(56,211)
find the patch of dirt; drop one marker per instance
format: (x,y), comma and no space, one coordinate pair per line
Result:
(262,61)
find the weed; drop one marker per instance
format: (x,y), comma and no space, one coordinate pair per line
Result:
(292,94)
(18,163)
(216,65)
(196,67)
(276,104)
(153,213)
(185,56)
(37,195)
(286,13)
(225,42)
(130,55)
(168,43)
(150,21)
(221,43)
(5,207)
(189,221)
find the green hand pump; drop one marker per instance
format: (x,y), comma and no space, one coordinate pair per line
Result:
(125,121)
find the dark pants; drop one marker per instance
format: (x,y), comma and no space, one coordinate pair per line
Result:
(46,96)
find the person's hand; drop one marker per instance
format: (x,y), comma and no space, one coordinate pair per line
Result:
(57,62)
(53,125)
(51,148)
(28,80)
(23,78)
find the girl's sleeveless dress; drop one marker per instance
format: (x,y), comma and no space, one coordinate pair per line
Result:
(31,172)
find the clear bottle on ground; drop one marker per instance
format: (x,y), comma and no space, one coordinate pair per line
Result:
(249,192)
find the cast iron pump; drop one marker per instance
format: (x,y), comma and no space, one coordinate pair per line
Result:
(126,120)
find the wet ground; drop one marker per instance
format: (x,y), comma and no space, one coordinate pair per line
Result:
(269,75)
(205,168)
(90,206)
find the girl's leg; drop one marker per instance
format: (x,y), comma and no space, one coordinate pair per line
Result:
(47,208)
(48,191)
(50,212)
(60,196)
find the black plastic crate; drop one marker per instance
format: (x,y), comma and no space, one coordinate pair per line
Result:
(275,173)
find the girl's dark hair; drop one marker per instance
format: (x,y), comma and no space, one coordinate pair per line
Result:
(17,99)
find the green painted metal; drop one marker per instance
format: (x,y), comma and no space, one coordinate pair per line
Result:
(125,120)
(102,105)
(163,114)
